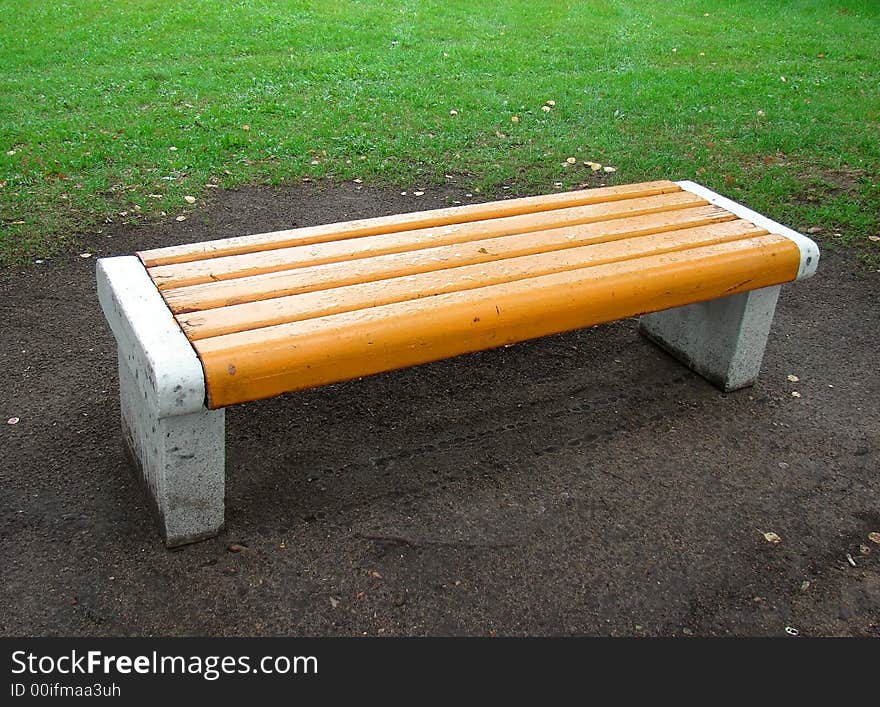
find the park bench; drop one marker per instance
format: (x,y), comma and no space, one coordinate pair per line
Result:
(203,326)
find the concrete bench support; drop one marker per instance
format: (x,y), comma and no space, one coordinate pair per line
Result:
(723,340)
(174,441)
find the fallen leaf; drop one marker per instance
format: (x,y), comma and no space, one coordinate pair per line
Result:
(761,113)
(783,79)
(772,537)
(546,109)
(10,152)
(610,169)
(172,149)
(180,218)
(570,160)
(551,103)
(16,420)
(334,602)
(499,134)
(375,574)
(874,238)
(418,193)
(814,229)
(514,119)
(453,112)
(793,378)
(595,166)
(189,199)
(85,255)
(874,537)
(245,127)
(795,394)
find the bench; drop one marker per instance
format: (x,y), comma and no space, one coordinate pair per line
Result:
(200,327)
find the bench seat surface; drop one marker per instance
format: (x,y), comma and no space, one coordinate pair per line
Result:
(289,310)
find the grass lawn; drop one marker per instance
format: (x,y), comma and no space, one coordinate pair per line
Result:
(115,111)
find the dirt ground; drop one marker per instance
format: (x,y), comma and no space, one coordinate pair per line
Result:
(579,484)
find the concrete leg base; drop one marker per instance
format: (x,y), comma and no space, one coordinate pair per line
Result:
(179,459)
(723,340)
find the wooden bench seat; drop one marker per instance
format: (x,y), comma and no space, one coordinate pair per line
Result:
(272,313)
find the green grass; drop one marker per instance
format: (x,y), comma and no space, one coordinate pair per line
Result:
(93,96)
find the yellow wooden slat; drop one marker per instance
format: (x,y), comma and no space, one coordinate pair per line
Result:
(400,222)
(273,360)
(278,310)
(237,266)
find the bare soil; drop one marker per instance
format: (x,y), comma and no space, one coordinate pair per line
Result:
(579,484)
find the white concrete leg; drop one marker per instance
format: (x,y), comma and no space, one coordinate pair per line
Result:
(723,340)
(174,441)
(179,460)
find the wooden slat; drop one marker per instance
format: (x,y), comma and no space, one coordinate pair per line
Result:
(269,361)
(279,310)
(237,266)
(400,222)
